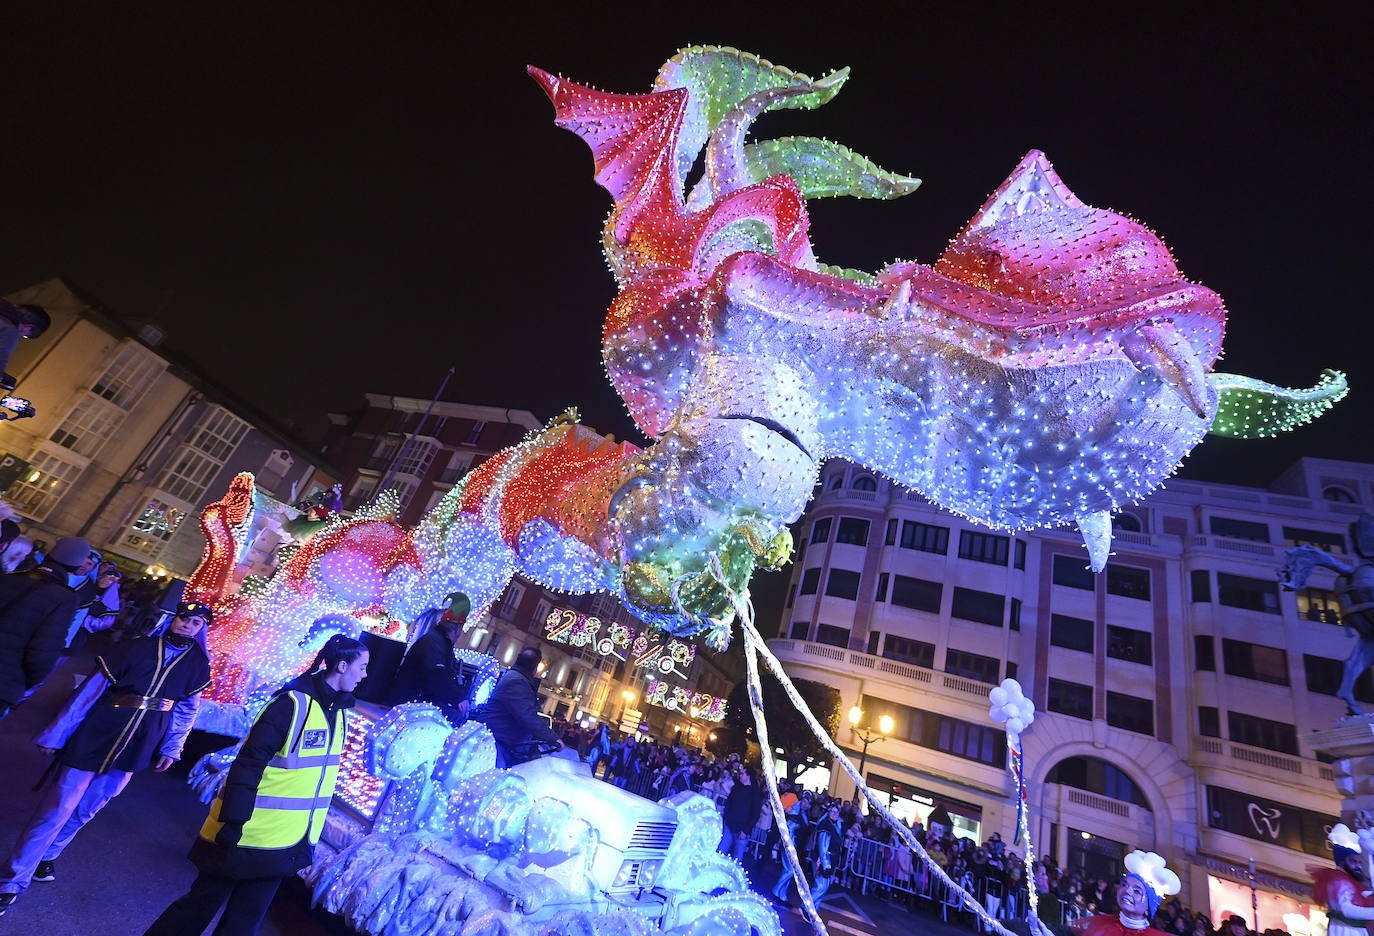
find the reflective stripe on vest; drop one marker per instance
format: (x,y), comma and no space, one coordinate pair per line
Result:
(297,785)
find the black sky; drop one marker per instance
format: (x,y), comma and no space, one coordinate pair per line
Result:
(318,203)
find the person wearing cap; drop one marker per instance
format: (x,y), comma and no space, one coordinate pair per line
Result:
(36,608)
(133,712)
(1143,887)
(430,671)
(1342,890)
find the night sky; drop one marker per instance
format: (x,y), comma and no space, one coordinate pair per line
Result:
(316,205)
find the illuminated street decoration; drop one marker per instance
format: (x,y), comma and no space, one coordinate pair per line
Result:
(677,699)
(1051,366)
(652,651)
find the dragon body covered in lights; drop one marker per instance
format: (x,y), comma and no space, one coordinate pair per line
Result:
(1052,366)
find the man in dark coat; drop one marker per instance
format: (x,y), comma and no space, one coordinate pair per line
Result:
(431,672)
(36,608)
(134,711)
(512,712)
(740,813)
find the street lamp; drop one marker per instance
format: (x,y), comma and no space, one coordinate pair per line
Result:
(867,736)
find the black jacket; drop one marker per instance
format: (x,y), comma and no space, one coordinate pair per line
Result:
(741,810)
(36,608)
(512,712)
(430,673)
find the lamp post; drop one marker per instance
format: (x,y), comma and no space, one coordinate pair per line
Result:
(867,735)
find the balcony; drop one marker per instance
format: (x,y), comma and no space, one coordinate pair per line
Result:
(826,657)
(1233,756)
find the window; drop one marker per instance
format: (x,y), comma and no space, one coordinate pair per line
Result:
(218,434)
(1200,582)
(362,490)
(1262,733)
(1019,552)
(1337,494)
(820,530)
(843,584)
(853,531)
(1324,677)
(986,744)
(1130,713)
(864,483)
(1318,604)
(1254,661)
(1097,776)
(799,630)
(1071,571)
(972,666)
(1126,522)
(128,376)
(1237,591)
(874,638)
(980,606)
(188,475)
(49,478)
(1068,698)
(890,537)
(811,580)
(152,528)
(1071,632)
(383,454)
(1128,582)
(1205,652)
(916,593)
(1208,721)
(475,433)
(417,457)
(983,547)
(1014,617)
(835,482)
(515,593)
(906,650)
(1127,643)
(1232,528)
(881,594)
(88,426)
(925,537)
(1331,542)
(834,636)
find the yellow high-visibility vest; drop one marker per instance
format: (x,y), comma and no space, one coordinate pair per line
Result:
(297,784)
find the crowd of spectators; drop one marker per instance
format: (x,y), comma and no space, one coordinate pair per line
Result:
(875,862)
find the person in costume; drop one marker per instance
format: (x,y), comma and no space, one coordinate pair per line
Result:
(1344,889)
(1143,887)
(430,671)
(134,711)
(266,821)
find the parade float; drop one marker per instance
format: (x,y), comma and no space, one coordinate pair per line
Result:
(1052,366)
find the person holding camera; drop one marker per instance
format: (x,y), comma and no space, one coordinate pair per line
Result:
(17,322)
(133,712)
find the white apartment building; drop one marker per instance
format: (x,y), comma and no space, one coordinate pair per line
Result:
(1175,692)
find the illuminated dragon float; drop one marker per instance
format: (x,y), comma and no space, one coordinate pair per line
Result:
(1052,366)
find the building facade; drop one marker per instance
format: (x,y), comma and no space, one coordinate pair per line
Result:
(131,440)
(1175,692)
(417,447)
